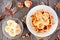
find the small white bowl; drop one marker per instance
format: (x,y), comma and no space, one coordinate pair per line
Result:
(52,29)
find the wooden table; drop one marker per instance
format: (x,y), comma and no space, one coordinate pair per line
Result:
(22,12)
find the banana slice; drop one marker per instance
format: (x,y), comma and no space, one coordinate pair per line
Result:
(17,29)
(10,22)
(13,25)
(11,33)
(7,28)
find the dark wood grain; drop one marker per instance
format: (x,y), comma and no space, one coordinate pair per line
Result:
(1,32)
(0,6)
(58,13)
(52,3)
(45,1)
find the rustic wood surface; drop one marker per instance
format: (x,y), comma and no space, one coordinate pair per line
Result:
(22,12)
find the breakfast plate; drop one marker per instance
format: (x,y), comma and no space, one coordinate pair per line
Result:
(53,27)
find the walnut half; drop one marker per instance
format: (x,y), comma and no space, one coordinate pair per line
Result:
(57,5)
(58,37)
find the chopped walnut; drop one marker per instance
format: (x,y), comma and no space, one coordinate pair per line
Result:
(38,38)
(24,19)
(58,37)
(42,3)
(9,11)
(23,36)
(27,0)
(58,5)
(20,4)
(27,35)
(28,3)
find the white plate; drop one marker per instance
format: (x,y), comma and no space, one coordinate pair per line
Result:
(52,29)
